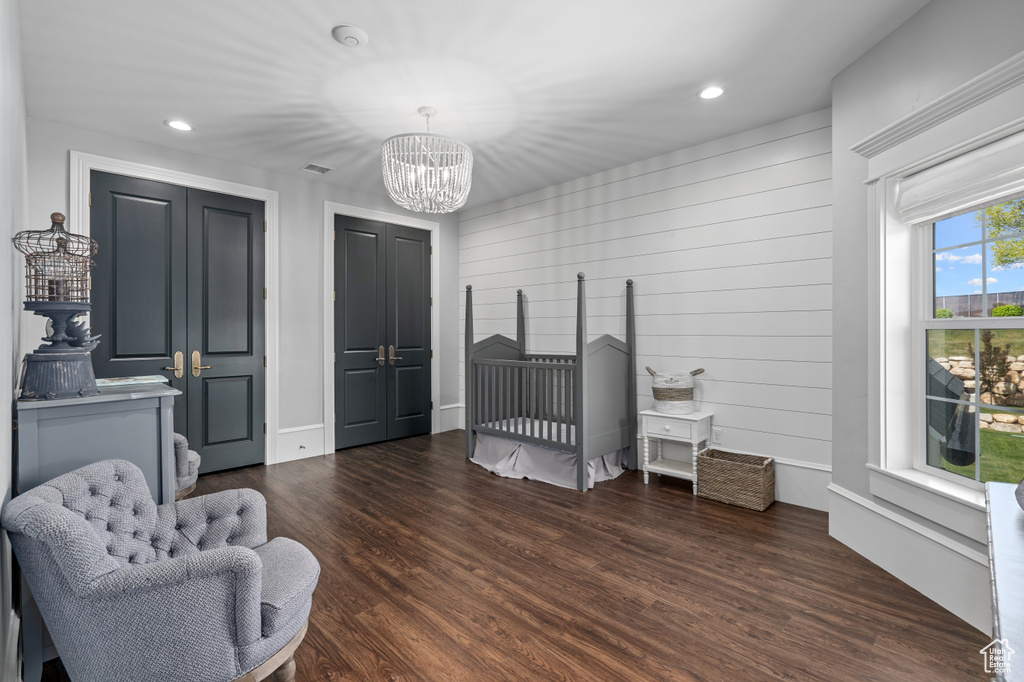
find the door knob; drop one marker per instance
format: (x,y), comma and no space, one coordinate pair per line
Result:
(392,357)
(380,356)
(179,365)
(197,366)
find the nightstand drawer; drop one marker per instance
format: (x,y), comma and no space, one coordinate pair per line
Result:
(667,428)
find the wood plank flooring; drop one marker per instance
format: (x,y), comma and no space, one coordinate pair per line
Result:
(435,569)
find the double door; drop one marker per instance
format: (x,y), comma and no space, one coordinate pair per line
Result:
(178,290)
(381,331)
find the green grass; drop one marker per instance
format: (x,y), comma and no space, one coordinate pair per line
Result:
(950,342)
(1002,458)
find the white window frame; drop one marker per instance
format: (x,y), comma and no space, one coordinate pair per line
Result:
(982,111)
(923,301)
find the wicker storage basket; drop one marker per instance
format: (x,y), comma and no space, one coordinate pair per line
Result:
(673,393)
(744,480)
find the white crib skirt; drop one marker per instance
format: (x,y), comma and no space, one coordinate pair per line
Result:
(512,459)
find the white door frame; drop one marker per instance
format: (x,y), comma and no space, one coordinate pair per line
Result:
(330,210)
(82,165)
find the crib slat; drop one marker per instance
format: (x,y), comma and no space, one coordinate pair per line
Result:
(549,374)
(526,401)
(520,392)
(558,394)
(543,403)
(508,393)
(570,399)
(479,408)
(532,401)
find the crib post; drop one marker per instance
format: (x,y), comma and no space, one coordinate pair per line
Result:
(520,324)
(580,396)
(468,370)
(631,383)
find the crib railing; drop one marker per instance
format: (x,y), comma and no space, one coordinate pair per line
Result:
(550,357)
(526,400)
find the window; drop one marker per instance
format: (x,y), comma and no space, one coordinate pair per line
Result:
(973,333)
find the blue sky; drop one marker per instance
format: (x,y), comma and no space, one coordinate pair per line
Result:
(959,271)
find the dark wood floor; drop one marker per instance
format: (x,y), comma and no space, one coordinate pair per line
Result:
(435,569)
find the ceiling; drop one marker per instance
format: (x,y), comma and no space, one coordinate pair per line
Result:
(544,91)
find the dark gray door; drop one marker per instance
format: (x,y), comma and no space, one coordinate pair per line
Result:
(181,271)
(360,375)
(138,284)
(381,331)
(226,392)
(408,331)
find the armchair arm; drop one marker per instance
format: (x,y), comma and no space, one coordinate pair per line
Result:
(196,582)
(235,518)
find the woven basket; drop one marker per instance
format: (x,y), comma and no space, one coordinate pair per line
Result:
(730,477)
(673,393)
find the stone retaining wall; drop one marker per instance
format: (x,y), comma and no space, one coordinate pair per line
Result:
(1009,392)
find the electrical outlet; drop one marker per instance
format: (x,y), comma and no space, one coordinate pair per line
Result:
(716,435)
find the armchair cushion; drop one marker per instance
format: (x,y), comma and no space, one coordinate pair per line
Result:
(290,573)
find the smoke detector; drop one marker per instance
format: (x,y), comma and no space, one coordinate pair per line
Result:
(316,168)
(350,36)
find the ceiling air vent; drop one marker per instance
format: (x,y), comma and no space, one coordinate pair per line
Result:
(315,168)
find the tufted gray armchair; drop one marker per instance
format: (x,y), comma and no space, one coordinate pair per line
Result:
(190,590)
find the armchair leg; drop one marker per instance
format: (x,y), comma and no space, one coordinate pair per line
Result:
(281,666)
(286,673)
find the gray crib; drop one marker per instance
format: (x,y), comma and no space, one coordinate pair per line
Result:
(584,403)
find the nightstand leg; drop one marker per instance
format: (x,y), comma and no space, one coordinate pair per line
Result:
(696,449)
(647,458)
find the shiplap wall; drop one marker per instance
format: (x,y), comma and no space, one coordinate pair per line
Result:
(729,245)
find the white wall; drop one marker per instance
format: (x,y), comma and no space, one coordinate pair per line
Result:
(945,44)
(13,206)
(301,239)
(729,245)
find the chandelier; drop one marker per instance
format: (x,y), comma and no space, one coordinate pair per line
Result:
(427,173)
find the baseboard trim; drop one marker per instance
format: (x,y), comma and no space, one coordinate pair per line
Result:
(874,507)
(299,442)
(452,417)
(803,465)
(925,560)
(10,672)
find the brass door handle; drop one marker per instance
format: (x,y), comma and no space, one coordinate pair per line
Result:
(380,356)
(179,365)
(197,366)
(391,355)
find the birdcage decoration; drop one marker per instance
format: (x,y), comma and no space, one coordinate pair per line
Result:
(57,263)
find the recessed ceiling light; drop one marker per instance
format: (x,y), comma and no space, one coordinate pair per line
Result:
(710,92)
(179,125)
(350,36)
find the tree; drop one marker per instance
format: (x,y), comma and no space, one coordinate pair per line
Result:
(1004,219)
(994,362)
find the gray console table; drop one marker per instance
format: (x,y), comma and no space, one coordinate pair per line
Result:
(135,423)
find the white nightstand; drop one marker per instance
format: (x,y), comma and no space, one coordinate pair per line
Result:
(693,428)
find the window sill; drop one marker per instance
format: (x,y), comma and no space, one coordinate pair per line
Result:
(956,507)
